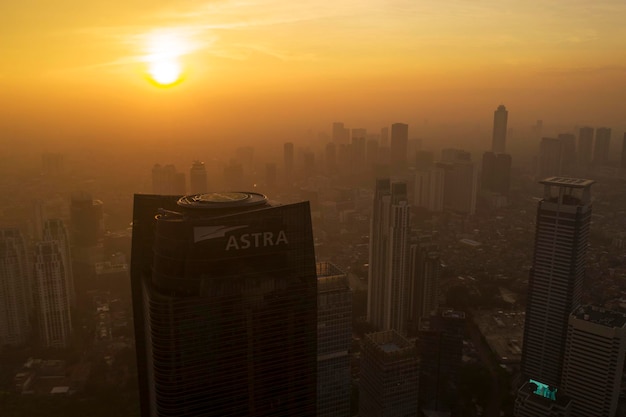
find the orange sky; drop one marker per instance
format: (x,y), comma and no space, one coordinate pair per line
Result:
(72,68)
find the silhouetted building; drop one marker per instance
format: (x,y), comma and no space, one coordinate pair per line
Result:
(569,160)
(224,298)
(398,148)
(500,118)
(429,188)
(424,272)
(388,385)
(197,178)
(86,219)
(461,181)
(52,295)
(550,158)
(556,277)
(167,181)
(334,339)
(387,304)
(440,349)
(496,173)
(15,291)
(54,230)
(585,146)
(594,361)
(602,146)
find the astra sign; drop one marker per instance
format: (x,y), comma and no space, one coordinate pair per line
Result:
(243,241)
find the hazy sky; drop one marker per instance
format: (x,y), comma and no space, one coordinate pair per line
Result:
(73,68)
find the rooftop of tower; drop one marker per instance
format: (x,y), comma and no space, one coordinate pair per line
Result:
(600,316)
(567,182)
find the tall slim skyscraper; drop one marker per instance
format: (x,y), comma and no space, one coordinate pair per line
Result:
(594,361)
(399,148)
(15,296)
(52,295)
(424,272)
(556,277)
(389,380)
(54,230)
(224,296)
(602,146)
(387,306)
(197,178)
(585,146)
(500,118)
(334,339)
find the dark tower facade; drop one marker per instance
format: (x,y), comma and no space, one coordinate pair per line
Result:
(224,295)
(500,120)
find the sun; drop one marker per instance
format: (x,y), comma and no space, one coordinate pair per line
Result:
(166,72)
(164,48)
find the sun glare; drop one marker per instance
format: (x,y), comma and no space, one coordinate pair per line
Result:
(164,49)
(165,72)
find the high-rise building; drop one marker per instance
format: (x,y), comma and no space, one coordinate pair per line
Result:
(424,272)
(52,295)
(550,161)
(197,178)
(556,277)
(54,230)
(585,146)
(224,299)
(461,181)
(570,160)
(602,146)
(440,349)
(15,291)
(86,220)
(167,181)
(334,339)
(429,188)
(535,399)
(389,376)
(594,361)
(496,173)
(500,118)
(399,148)
(387,304)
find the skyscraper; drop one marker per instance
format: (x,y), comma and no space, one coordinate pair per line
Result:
(334,339)
(461,181)
(167,181)
(86,220)
(594,361)
(398,148)
(500,118)
(424,272)
(496,173)
(54,230)
(585,146)
(197,178)
(602,146)
(52,295)
(389,380)
(556,277)
(550,158)
(15,296)
(387,304)
(224,295)
(429,188)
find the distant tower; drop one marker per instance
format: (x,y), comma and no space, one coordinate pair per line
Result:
(500,118)
(429,188)
(53,300)
(556,277)
(15,295)
(198,178)
(389,380)
(594,361)
(424,272)
(334,340)
(585,146)
(389,257)
(399,148)
(86,219)
(461,181)
(54,230)
(602,146)
(550,158)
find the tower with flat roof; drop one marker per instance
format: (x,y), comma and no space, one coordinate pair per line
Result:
(556,276)
(224,299)
(500,120)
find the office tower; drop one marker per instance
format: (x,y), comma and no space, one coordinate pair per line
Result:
(52,295)
(341,134)
(424,272)
(500,118)
(15,295)
(556,276)
(359,133)
(429,188)
(570,159)
(496,173)
(440,349)
(594,361)
(288,159)
(461,181)
(197,178)
(167,181)
(334,339)
(585,146)
(387,304)
(54,230)
(224,299)
(389,381)
(550,158)
(602,146)
(398,148)
(86,220)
